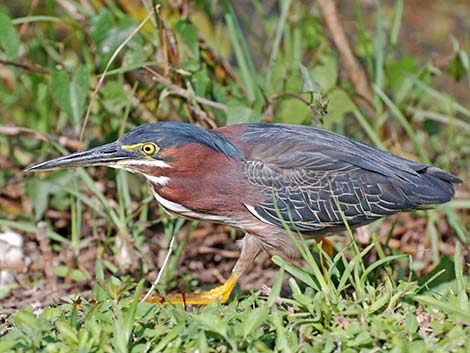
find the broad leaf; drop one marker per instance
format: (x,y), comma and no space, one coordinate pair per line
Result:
(9,40)
(70,95)
(189,35)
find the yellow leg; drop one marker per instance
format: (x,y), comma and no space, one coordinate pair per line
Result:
(250,247)
(221,292)
(326,245)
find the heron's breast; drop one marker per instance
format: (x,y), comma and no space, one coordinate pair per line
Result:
(203,181)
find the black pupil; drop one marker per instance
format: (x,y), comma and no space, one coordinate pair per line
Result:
(148,149)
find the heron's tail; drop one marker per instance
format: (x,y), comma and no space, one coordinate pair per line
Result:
(433,187)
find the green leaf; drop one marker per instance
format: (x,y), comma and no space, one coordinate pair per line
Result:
(202,342)
(212,322)
(457,68)
(238,112)
(169,337)
(309,86)
(9,40)
(39,196)
(60,91)
(67,332)
(276,289)
(6,345)
(24,318)
(108,35)
(66,272)
(252,319)
(78,93)
(52,313)
(411,322)
(326,74)
(135,58)
(101,24)
(298,273)
(442,305)
(362,339)
(114,97)
(400,84)
(339,104)
(284,337)
(77,275)
(293,111)
(201,82)
(189,35)
(70,95)
(40,190)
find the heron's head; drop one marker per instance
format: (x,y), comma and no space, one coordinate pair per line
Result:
(145,150)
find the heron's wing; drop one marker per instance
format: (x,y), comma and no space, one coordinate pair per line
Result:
(307,175)
(308,198)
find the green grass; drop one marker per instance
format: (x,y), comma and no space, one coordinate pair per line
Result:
(318,316)
(277,68)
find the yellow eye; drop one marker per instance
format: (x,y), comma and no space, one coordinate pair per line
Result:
(149,148)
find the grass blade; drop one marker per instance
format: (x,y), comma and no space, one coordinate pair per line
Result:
(397,17)
(242,53)
(448,102)
(406,125)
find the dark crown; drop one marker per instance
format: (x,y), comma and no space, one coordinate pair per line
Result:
(175,134)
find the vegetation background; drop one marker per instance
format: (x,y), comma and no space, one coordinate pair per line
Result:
(74,244)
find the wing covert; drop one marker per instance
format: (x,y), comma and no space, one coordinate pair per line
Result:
(306,190)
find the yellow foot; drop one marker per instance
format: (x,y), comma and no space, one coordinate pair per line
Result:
(221,292)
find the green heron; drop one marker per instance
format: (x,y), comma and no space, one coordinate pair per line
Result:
(265,179)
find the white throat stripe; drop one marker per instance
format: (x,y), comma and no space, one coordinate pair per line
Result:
(151,163)
(159,180)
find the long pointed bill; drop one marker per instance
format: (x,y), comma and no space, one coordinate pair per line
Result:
(106,155)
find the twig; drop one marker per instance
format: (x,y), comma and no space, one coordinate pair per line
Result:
(162,269)
(181,92)
(15,131)
(69,143)
(164,40)
(26,67)
(353,69)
